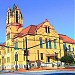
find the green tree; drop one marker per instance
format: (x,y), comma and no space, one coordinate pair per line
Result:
(67,59)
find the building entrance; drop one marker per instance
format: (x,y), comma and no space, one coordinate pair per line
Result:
(48,59)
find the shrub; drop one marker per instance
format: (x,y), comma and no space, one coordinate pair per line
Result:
(67,59)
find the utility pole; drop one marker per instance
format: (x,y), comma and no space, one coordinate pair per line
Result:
(26,55)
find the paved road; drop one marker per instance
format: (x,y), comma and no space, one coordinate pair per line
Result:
(39,73)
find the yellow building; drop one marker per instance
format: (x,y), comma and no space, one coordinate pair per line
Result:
(2,59)
(44,44)
(69,43)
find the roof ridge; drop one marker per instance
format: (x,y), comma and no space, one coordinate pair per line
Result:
(32,25)
(62,34)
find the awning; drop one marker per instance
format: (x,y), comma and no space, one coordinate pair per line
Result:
(51,55)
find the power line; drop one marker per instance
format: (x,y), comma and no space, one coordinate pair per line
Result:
(27,48)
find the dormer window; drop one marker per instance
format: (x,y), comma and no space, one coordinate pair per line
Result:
(47,29)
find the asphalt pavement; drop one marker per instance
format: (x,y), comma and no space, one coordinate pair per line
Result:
(37,73)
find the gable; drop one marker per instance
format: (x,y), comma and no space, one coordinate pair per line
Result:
(41,29)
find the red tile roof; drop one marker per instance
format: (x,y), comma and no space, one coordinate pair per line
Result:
(1,44)
(66,39)
(32,29)
(29,30)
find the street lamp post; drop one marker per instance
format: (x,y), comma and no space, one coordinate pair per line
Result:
(2,62)
(16,59)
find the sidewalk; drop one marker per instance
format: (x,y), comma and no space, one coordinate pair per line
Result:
(46,69)
(42,69)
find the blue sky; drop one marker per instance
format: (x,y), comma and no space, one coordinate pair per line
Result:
(60,14)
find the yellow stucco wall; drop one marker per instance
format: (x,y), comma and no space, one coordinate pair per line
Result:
(32,40)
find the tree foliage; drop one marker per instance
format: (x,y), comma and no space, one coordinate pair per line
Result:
(67,59)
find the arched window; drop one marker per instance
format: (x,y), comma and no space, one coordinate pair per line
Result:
(40,42)
(46,43)
(16,45)
(8,17)
(54,43)
(50,44)
(69,47)
(64,46)
(16,16)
